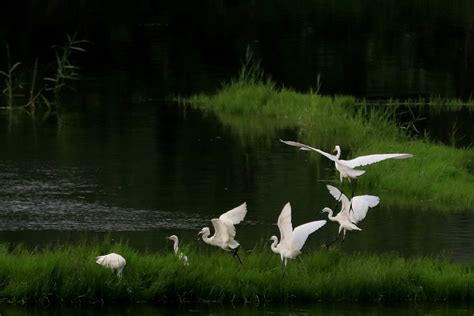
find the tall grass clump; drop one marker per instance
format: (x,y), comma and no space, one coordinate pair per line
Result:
(437,178)
(69,275)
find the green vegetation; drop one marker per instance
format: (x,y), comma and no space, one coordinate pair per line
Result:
(437,178)
(69,275)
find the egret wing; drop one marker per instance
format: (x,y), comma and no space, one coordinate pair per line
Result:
(284,222)
(230,228)
(221,234)
(335,192)
(370,159)
(235,215)
(360,206)
(301,233)
(339,196)
(306,147)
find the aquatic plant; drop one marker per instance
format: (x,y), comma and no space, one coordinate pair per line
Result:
(10,83)
(65,70)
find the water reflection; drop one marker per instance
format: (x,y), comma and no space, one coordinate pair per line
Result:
(265,309)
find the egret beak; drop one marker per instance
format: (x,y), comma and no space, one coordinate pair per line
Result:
(168,238)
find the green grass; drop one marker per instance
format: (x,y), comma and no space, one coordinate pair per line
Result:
(69,275)
(438,178)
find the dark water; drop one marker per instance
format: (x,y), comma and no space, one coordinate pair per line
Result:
(159,169)
(216,309)
(123,162)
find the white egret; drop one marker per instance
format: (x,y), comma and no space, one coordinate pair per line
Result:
(113,261)
(346,168)
(352,211)
(292,240)
(224,230)
(181,256)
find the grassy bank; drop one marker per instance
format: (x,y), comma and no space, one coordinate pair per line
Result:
(439,177)
(71,276)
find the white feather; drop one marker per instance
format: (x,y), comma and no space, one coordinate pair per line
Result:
(302,232)
(113,261)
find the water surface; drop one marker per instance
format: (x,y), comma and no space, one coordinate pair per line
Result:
(160,169)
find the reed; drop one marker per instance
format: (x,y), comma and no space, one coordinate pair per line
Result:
(65,69)
(69,275)
(8,75)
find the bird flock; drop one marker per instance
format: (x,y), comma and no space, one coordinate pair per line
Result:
(291,240)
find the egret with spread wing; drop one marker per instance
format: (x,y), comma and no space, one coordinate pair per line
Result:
(352,211)
(224,230)
(346,168)
(292,240)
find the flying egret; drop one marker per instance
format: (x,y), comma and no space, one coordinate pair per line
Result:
(181,256)
(113,261)
(292,240)
(352,211)
(346,168)
(224,230)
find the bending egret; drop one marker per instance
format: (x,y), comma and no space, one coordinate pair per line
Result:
(224,230)
(113,261)
(181,256)
(292,240)
(346,168)
(352,211)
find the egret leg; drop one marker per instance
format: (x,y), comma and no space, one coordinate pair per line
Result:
(332,242)
(354,187)
(343,236)
(300,260)
(236,254)
(284,267)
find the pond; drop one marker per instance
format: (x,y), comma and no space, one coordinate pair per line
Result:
(126,163)
(159,169)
